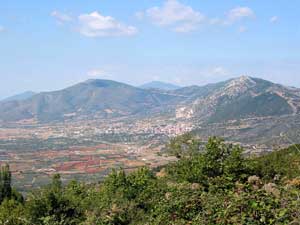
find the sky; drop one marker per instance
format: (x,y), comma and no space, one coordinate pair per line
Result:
(51,44)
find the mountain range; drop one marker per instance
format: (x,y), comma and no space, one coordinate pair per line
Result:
(239,98)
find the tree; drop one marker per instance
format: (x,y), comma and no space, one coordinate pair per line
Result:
(5,183)
(12,213)
(183,145)
(51,205)
(223,159)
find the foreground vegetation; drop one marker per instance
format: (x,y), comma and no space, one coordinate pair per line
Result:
(214,184)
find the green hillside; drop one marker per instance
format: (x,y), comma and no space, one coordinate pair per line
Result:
(266,104)
(99,98)
(211,184)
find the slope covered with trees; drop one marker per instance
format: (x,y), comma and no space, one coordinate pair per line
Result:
(213,184)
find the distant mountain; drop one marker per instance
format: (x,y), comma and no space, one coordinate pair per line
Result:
(93,98)
(243,97)
(240,98)
(23,96)
(160,85)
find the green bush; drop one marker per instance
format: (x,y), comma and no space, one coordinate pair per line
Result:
(214,184)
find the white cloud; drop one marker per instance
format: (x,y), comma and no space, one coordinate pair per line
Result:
(176,16)
(97,25)
(61,17)
(2,29)
(183,18)
(94,73)
(274,19)
(238,14)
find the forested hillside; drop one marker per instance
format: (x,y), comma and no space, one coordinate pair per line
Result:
(214,184)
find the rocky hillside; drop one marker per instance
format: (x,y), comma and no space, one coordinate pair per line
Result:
(244,97)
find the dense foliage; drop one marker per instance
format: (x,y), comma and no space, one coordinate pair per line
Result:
(214,184)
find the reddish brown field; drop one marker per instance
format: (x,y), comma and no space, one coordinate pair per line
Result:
(35,168)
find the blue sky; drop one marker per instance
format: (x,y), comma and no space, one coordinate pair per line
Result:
(50,44)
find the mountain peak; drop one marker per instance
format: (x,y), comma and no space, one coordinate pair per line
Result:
(102,83)
(238,85)
(93,81)
(244,80)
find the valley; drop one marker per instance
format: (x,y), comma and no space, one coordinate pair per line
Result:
(85,150)
(89,150)
(33,169)
(86,130)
